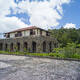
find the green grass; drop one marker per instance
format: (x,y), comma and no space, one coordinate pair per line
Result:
(54,55)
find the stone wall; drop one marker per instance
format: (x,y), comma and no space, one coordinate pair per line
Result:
(36,44)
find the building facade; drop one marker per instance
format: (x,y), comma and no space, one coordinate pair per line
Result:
(31,39)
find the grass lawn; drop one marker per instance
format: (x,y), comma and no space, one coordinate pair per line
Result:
(54,55)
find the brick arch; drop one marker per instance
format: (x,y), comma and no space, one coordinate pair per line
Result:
(6,47)
(1,46)
(34,46)
(44,46)
(25,45)
(18,46)
(11,47)
(55,45)
(50,46)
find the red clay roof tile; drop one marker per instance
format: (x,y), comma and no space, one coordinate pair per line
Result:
(24,29)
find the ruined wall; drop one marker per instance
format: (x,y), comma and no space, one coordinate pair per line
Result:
(32,44)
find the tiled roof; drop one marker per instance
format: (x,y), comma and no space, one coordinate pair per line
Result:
(24,29)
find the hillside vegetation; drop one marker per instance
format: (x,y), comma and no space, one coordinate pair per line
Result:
(65,36)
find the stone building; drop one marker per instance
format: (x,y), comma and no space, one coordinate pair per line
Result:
(32,39)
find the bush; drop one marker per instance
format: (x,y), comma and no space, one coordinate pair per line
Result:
(78,51)
(56,55)
(58,50)
(77,56)
(69,50)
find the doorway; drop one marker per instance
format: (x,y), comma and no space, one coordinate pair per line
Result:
(33,47)
(44,46)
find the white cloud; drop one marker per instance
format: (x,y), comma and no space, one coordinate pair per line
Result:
(11,23)
(5,6)
(69,25)
(8,23)
(42,14)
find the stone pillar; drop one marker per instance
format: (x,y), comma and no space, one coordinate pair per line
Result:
(29,46)
(39,47)
(3,46)
(21,46)
(47,47)
(15,46)
(9,47)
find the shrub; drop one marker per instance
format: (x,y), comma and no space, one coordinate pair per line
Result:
(69,50)
(77,56)
(78,46)
(57,50)
(56,55)
(78,51)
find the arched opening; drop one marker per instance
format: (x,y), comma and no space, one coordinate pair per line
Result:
(50,47)
(44,46)
(55,45)
(25,45)
(1,46)
(18,46)
(11,46)
(6,47)
(33,47)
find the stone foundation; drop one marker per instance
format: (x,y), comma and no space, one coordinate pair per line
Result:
(36,44)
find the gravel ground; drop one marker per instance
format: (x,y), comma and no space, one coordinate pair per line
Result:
(29,68)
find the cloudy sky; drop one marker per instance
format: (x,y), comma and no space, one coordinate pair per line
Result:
(46,14)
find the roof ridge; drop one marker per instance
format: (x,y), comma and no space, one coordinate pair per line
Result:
(23,29)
